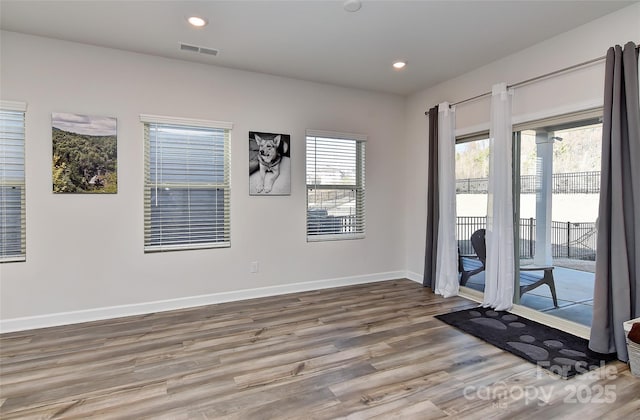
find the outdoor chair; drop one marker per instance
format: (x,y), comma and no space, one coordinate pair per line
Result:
(530,278)
(470,265)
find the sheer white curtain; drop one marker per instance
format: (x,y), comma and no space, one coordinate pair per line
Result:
(447,252)
(499,276)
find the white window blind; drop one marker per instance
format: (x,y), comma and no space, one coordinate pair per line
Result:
(335,186)
(12,182)
(187,189)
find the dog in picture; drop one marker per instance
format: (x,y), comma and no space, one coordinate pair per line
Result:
(269,158)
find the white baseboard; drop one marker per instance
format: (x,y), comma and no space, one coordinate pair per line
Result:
(97,314)
(413,276)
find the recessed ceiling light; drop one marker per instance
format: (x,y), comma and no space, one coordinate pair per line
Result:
(399,65)
(197,21)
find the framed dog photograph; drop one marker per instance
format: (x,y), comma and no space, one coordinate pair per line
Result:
(269,163)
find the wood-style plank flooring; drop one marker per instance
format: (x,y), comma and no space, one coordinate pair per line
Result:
(357,352)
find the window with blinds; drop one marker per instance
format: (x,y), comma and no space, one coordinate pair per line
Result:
(335,185)
(12,182)
(187,189)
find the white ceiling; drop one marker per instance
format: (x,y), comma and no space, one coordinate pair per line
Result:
(315,40)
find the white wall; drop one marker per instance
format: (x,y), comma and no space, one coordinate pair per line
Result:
(85,252)
(569,92)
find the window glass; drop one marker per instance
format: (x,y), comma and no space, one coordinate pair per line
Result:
(472,171)
(186,187)
(335,188)
(12,186)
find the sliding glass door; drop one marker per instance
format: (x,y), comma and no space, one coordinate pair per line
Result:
(472,170)
(557,181)
(556,170)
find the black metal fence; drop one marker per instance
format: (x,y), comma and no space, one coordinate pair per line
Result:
(564,183)
(568,239)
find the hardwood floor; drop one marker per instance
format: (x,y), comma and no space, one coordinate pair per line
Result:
(357,352)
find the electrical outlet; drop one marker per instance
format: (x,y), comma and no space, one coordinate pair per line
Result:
(253,267)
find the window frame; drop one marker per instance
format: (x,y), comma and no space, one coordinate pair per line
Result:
(189,184)
(18,109)
(359,187)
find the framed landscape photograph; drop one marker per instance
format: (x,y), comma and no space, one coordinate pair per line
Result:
(269,163)
(84,154)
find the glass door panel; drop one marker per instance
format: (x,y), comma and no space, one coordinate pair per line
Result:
(472,170)
(558,186)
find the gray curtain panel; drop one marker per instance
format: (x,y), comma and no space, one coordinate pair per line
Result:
(616,294)
(433,214)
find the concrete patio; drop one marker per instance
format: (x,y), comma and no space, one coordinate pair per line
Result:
(573,287)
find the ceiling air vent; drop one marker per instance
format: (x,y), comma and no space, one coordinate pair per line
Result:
(192,48)
(209,51)
(200,50)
